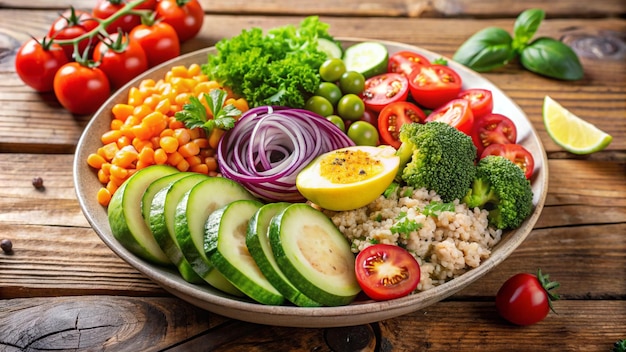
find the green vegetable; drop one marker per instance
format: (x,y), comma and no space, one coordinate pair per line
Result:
(194,115)
(619,346)
(438,157)
(501,187)
(404,226)
(280,67)
(494,47)
(436,208)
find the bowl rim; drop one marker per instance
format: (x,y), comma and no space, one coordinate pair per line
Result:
(359,312)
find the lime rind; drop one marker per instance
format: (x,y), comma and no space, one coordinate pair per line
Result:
(570,132)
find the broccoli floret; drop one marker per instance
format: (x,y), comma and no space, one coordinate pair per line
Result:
(501,187)
(438,157)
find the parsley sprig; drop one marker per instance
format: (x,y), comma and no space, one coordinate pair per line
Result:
(194,114)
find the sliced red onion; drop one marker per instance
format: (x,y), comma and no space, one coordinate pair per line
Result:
(269,146)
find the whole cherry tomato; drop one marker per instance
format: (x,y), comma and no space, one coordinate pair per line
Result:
(158,40)
(455,113)
(393,116)
(72,24)
(36,63)
(481,101)
(493,128)
(386,271)
(147,5)
(384,89)
(121,59)
(186,16)
(434,85)
(525,299)
(519,155)
(406,62)
(105,8)
(81,89)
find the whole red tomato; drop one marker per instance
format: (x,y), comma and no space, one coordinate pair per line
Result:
(186,16)
(36,63)
(525,299)
(105,8)
(159,41)
(120,58)
(81,89)
(72,24)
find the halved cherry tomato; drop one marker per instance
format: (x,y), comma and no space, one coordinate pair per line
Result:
(121,59)
(158,40)
(514,152)
(36,63)
(186,16)
(481,100)
(493,128)
(384,89)
(71,24)
(455,113)
(81,89)
(105,8)
(386,271)
(393,116)
(405,62)
(434,85)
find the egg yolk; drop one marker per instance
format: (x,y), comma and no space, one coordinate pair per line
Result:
(349,166)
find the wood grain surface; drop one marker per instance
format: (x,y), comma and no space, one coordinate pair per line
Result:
(63,289)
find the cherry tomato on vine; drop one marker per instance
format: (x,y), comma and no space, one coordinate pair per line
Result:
(519,155)
(186,16)
(386,271)
(81,89)
(147,5)
(158,40)
(405,62)
(525,299)
(72,24)
(434,85)
(36,63)
(493,128)
(384,89)
(455,113)
(393,116)
(120,58)
(481,100)
(105,8)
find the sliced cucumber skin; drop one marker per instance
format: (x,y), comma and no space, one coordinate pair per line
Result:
(354,57)
(159,203)
(330,47)
(192,212)
(258,244)
(225,235)
(126,218)
(286,228)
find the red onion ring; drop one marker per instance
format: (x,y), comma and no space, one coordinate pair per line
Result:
(269,146)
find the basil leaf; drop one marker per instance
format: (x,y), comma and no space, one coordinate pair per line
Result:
(487,49)
(551,58)
(526,26)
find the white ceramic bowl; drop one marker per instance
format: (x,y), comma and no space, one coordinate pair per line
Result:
(359,312)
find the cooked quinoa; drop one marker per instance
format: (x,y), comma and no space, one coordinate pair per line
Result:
(445,244)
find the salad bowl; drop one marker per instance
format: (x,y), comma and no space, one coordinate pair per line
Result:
(361,311)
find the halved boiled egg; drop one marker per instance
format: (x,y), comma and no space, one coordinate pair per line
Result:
(348,178)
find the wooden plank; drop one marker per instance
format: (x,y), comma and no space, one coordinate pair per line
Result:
(401,8)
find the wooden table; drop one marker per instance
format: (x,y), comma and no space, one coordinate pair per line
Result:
(63,289)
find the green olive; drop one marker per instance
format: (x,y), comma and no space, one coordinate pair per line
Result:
(330,91)
(363,133)
(332,69)
(352,82)
(319,105)
(351,107)
(337,121)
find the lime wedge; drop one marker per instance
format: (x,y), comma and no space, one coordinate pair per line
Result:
(571,132)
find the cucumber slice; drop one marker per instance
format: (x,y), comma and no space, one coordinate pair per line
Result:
(225,245)
(159,207)
(368,58)
(314,255)
(258,244)
(191,214)
(331,48)
(126,218)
